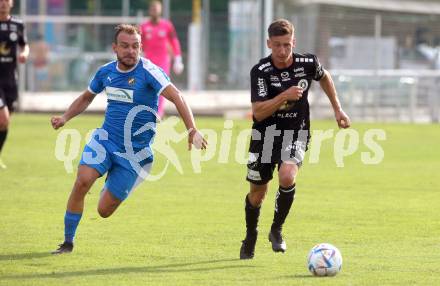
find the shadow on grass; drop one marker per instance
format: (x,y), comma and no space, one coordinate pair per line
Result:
(168,268)
(22,256)
(301,276)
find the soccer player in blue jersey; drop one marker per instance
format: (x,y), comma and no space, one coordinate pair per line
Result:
(121,147)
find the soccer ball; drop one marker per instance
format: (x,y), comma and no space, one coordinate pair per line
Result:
(324,260)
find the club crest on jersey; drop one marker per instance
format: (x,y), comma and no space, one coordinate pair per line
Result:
(131,81)
(13,36)
(304,84)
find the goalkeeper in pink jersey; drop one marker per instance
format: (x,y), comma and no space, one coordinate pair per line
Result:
(158,35)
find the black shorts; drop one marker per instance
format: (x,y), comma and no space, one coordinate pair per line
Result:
(263,159)
(8,96)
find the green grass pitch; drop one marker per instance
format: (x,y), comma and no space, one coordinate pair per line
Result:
(187,229)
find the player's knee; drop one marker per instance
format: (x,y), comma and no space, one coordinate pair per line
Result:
(4,124)
(286,179)
(81,186)
(259,201)
(105,212)
(256,198)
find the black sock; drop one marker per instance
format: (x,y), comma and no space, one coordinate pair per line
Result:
(3,134)
(252,215)
(283,202)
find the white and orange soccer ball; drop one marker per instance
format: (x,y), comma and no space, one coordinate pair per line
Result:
(324,260)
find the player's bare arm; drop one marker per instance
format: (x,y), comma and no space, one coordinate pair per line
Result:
(78,106)
(173,94)
(263,109)
(328,86)
(23,54)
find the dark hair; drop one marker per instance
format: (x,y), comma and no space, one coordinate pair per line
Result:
(155,2)
(126,28)
(280,27)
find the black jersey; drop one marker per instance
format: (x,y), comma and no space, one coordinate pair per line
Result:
(267,82)
(12,35)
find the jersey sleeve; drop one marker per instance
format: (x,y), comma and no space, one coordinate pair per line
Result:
(318,69)
(173,40)
(157,79)
(259,88)
(22,38)
(96,85)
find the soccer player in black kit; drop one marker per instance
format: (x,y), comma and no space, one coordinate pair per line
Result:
(280,132)
(13,48)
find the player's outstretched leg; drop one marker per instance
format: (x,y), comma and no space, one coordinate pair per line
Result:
(283,203)
(75,205)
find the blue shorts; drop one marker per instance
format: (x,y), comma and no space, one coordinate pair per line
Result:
(123,174)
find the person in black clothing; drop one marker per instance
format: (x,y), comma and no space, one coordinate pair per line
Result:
(13,49)
(281,128)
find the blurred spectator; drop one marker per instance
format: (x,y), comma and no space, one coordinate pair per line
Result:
(39,57)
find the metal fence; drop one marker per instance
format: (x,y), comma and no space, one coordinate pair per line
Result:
(345,38)
(385,95)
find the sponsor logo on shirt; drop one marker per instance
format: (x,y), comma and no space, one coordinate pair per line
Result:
(275,84)
(6,59)
(162,33)
(299,72)
(274,78)
(286,106)
(264,66)
(119,94)
(269,69)
(287,115)
(4,51)
(262,88)
(285,76)
(319,72)
(253,175)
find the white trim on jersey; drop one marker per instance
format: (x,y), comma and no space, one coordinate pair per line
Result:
(156,73)
(121,71)
(163,87)
(90,90)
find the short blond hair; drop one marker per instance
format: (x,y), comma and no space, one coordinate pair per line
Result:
(125,28)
